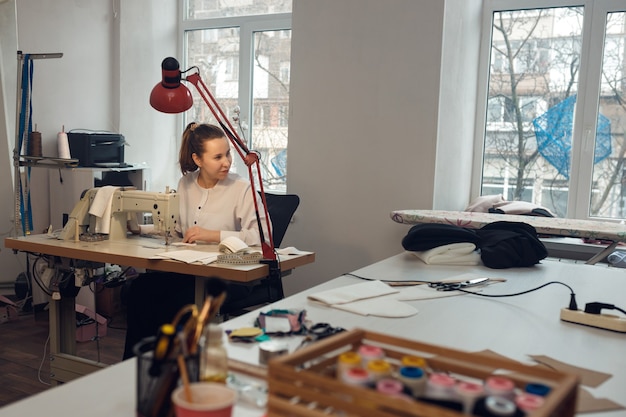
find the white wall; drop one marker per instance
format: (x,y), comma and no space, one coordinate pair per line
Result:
(154,136)
(364,125)
(100,83)
(11,264)
(369,80)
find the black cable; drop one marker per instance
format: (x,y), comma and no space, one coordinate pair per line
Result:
(36,276)
(572,304)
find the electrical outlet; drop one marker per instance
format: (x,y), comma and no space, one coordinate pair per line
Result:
(601,321)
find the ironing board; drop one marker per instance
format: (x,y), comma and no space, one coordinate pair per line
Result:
(553,226)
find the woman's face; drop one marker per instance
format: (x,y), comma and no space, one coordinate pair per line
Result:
(216,160)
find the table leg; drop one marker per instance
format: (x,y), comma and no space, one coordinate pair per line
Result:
(62,313)
(199,291)
(602,254)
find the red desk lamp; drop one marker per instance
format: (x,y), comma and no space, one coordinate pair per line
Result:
(170,96)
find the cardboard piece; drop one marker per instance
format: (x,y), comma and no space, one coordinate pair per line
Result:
(588,377)
(586,402)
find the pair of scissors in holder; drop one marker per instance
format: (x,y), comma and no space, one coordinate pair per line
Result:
(453,286)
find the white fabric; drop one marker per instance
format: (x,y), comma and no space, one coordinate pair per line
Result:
(101,208)
(385,306)
(369,298)
(463,253)
(227,207)
(484,203)
(518,207)
(349,293)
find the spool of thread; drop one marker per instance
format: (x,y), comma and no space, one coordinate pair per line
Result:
(389,386)
(500,386)
(378,369)
(63,144)
(413,378)
(369,352)
(499,406)
(469,393)
(34,144)
(537,389)
(414,361)
(347,360)
(529,402)
(440,386)
(356,376)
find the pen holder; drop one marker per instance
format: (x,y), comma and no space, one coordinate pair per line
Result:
(156,380)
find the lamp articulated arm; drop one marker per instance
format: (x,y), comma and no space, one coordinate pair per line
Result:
(170,87)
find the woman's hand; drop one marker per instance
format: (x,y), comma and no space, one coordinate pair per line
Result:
(195,234)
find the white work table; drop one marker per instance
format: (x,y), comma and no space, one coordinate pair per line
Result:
(514,327)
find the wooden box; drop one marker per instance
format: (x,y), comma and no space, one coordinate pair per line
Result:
(304,383)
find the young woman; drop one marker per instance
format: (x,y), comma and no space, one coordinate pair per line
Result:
(214,204)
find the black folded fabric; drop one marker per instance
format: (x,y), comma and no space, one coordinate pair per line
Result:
(427,236)
(510,244)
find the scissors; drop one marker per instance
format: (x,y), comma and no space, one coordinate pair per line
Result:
(319,331)
(453,286)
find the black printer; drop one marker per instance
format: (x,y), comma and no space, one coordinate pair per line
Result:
(97,149)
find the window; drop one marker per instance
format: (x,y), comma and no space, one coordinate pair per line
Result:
(243,50)
(554,106)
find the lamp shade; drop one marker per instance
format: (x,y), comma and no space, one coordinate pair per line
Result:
(170,96)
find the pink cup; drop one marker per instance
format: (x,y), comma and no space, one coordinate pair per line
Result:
(208,399)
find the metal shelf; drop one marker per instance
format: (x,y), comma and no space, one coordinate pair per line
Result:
(22,191)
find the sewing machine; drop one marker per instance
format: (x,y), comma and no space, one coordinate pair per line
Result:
(81,225)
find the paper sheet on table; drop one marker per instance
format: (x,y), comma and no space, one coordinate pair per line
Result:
(190,256)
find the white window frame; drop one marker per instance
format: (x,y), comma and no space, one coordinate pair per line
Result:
(581,172)
(248,26)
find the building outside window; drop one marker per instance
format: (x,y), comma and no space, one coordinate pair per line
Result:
(242,49)
(553,94)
